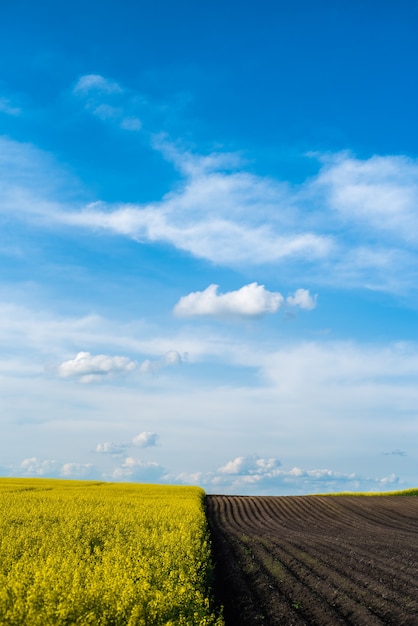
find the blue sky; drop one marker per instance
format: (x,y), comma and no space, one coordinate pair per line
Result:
(209,243)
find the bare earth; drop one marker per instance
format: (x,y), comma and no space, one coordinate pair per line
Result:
(313,560)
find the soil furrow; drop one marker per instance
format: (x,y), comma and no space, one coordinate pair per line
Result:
(352,583)
(316,560)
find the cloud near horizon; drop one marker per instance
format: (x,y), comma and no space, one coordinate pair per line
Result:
(49,468)
(252,474)
(137,470)
(243,475)
(252,300)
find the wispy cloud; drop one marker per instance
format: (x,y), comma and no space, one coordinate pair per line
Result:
(107,100)
(233,218)
(153,366)
(396,452)
(347,226)
(379,193)
(96,83)
(7,107)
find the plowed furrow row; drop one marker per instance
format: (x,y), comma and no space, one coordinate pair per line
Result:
(274,605)
(386,512)
(322,561)
(354,583)
(321,599)
(375,519)
(341,558)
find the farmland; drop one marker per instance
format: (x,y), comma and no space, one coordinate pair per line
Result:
(316,560)
(102,553)
(140,555)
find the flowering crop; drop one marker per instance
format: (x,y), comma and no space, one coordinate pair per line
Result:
(89,553)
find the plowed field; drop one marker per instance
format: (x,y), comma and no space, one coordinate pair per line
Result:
(316,560)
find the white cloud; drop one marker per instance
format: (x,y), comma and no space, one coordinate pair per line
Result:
(380,192)
(37,467)
(252,474)
(49,468)
(234,218)
(152,366)
(142,440)
(250,301)
(95,82)
(145,440)
(78,470)
(109,447)
(303,299)
(342,365)
(209,219)
(250,465)
(135,469)
(88,368)
(353,224)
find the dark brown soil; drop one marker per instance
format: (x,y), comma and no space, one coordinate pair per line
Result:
(317,561)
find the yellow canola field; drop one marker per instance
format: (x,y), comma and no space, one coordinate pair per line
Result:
(78,552)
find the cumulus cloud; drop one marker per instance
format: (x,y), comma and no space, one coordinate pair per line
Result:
(303,299)
(146,440)
(38,467)
(109,447)
(252,474)
(88,368)
(250,301)
(49,468)
(250,465)
(78,470)
(152,366)
(135,469)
